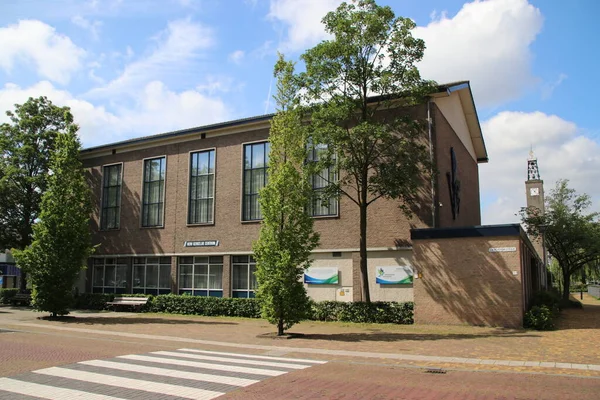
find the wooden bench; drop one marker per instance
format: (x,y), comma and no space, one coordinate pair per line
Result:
(131,302)
(21,298)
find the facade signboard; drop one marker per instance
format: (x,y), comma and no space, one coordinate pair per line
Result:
(322,276)
(502,249)
(396,275)
(201,243)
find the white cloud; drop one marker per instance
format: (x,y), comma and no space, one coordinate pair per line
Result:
(237,56)
(53,55)
(177,51)
(92,26)
(157,109)
(486,42)
(303,19)
(562,150)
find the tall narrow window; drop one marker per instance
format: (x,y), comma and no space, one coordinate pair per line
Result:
(202,187)
(111,197)
(153,192)
(321,204)
(256,157)
(244,279)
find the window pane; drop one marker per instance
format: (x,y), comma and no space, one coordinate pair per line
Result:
(216,259)
(240,277)
(122,275)
(165,276)
(185,276)
(109,275)
(152,276)
(186,260)
(253,283)
(201,260)
(258,155)
(248,157)
(99,275)
(200,276)
(138,276)
(216,277)
(203,167)
(258,180)
(212,162)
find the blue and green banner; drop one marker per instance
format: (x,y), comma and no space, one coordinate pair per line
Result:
(397,275)
(321,276)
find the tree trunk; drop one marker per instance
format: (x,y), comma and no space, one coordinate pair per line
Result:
(363,253)
(566,284)
(280,327)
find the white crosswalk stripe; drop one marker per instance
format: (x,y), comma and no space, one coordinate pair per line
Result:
(48,392)
(178,374)
(218,353)
(219,367)
(237,361)
(170,372)
(147,386)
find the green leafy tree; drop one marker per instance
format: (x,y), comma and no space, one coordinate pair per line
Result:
(571,235)
(355,84)
(286,234)
(25,147)
(61,238)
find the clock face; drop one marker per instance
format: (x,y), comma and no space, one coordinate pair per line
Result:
(534,191)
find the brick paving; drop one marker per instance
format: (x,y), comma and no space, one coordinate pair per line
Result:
(351,381)
(478,348)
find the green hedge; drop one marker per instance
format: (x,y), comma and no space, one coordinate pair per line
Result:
(208,306)
(7,294)
(375,312)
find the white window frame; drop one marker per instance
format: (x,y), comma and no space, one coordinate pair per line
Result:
(194,264)
(249,291)
(163,197)
(214,189)
(144,289)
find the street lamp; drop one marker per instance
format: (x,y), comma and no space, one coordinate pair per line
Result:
(543,229)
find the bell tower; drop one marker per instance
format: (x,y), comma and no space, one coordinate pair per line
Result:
(534,185)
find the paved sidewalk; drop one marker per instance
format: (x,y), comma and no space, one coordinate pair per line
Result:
(573,349)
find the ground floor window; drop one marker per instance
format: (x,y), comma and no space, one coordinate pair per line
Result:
(201,276)
(109,275)
(244,280)
(152,275)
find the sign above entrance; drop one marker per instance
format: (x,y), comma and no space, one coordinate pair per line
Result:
(394,275)
(201,243)
(502,249)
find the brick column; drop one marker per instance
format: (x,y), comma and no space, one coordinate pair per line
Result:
(129,263)
(227,276)
(174,283)
(356,278)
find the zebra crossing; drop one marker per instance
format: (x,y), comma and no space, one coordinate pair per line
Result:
(165,375)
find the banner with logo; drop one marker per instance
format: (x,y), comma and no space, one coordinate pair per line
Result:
(396,275)
(321,276)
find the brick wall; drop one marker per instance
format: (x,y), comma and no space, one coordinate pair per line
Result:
(387,225)
(468,175)
(461,282)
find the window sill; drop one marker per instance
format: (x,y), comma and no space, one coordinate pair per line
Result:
(333,216)
(253,221)
(201,224)
(153,227)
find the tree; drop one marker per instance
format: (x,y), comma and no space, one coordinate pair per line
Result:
(286,234)
(61,238)
(571,235)
(354,84)
(25,147)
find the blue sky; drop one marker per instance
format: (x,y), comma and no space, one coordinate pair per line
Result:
(130,68)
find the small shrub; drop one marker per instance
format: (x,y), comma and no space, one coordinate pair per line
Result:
(7,294)
(578,287)
(207,306)
(540,318)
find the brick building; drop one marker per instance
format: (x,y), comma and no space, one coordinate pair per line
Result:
(178,212)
